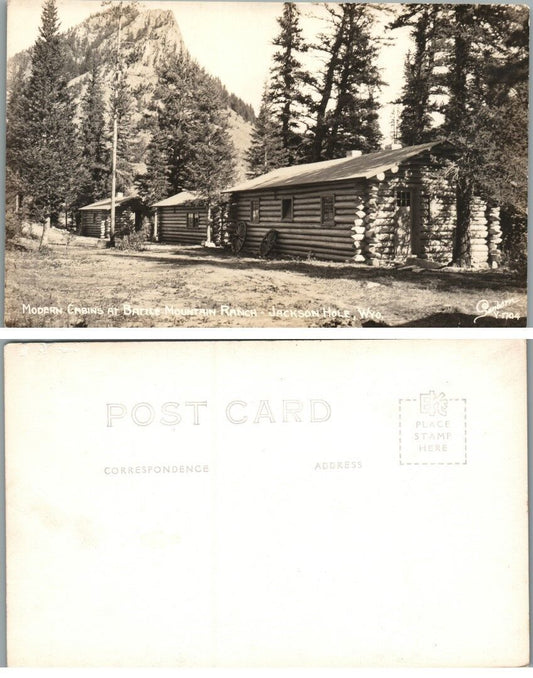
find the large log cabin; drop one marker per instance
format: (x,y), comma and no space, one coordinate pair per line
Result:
(377,209)
(181,219)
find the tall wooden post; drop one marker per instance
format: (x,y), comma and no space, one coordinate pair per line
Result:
(156,225)
(115,143)
(46,230)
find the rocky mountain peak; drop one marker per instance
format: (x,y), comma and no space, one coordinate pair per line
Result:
(149,36)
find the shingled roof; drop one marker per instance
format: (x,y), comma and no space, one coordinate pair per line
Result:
(179,199)
(359,167)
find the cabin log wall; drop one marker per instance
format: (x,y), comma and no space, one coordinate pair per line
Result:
(494,235)
(173,229)
(95,223)
(304,235)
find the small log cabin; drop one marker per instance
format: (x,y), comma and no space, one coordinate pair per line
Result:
(95,218)
(181,219)
(380,208)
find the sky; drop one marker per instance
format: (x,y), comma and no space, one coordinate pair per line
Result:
(232,40)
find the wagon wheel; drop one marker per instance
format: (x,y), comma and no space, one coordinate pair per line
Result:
(269,242)
(238,237)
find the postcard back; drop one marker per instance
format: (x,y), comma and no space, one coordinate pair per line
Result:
(279,504)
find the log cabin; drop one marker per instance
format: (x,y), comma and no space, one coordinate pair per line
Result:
(95,218)
(181,219)
(380,208)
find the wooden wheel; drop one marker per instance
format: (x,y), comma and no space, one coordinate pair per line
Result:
(238,237)
(269,242)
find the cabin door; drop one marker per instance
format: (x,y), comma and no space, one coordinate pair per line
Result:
(407,231)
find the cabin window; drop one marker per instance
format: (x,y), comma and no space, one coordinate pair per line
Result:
(193,220)
(403,199)
(94,215)
(286,209)
(328,209)
(254,211)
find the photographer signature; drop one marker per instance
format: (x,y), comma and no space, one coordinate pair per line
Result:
(498,309)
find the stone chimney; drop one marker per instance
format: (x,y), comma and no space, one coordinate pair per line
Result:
(392,147)
(354,154)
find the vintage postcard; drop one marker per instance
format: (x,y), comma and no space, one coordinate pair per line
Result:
(270,504)
(264,164)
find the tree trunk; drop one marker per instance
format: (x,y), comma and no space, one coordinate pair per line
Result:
(320,128)
(209,226)
(461,247)
(46,230)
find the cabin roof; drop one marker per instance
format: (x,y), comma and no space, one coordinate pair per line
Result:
(181,198)
(363,166)
(105,205)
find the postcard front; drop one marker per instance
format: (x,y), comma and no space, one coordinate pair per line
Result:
(239,164)
(267,504)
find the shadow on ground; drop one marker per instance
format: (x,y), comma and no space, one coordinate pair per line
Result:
(440,279)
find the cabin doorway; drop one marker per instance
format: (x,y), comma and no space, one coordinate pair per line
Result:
(407,231)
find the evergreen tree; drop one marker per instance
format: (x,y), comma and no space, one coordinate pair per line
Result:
(154,185)
(96,162)
(488,114)
(421,81)
(266,151)
(49,150)
(345,110)
(16,186)
(190,148)
(353,122)
(289,80)
(482,88)
(212,163)
(171,115)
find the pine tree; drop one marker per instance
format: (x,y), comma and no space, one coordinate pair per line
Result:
(96,162)
(345,110)
(488,89)
(421,80)
(353,122)
(154,185)
(171,117)
(483,101)
(212,164)
(50,151)
(289,81)
(190,147)
(266,151)
(16,186)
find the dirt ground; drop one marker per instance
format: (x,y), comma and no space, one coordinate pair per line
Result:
(76,283)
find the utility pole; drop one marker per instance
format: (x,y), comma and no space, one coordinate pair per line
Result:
(395,124)
(115,138)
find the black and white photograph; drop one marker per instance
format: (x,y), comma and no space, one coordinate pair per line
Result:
(264,164)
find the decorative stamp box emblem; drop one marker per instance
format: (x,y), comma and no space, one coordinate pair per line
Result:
(432,429)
